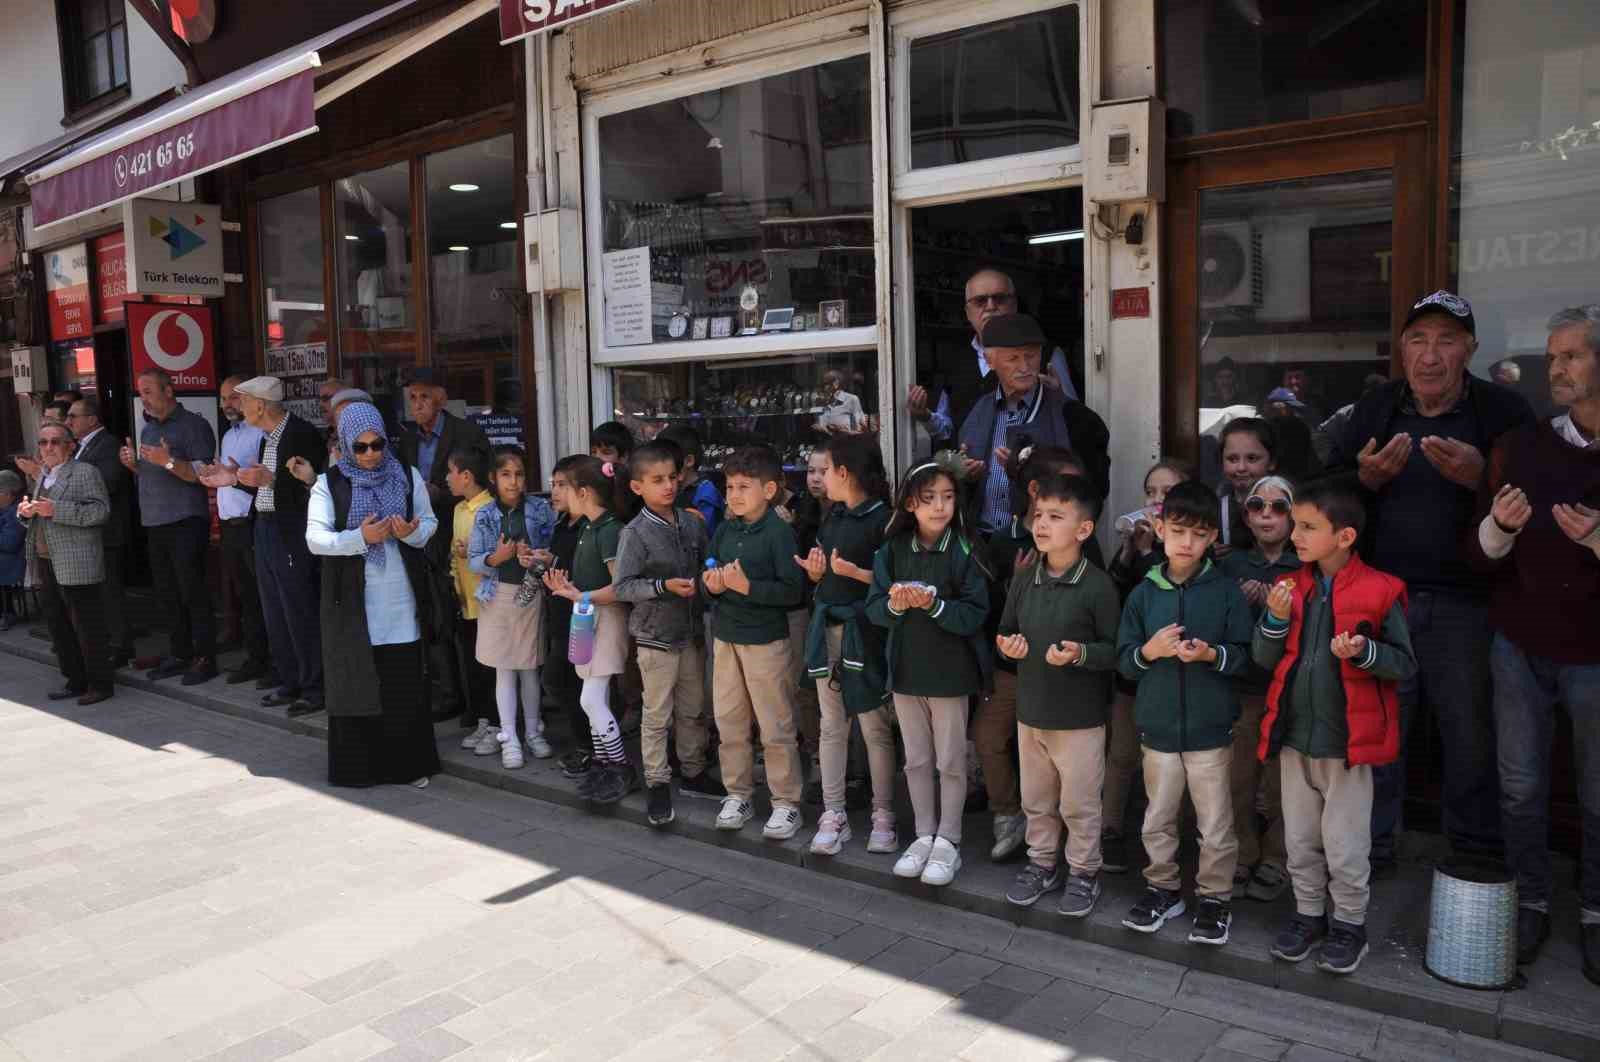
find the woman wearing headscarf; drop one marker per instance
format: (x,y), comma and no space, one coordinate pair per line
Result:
(368,519)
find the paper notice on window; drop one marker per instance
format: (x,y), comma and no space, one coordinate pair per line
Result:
(625,285)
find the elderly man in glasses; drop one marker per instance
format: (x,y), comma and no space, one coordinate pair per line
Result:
(989,293)
(65,556)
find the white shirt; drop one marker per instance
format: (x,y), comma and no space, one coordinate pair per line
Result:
(1566,428)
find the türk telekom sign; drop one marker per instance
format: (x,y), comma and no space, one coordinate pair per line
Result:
(241,126)
(522,18)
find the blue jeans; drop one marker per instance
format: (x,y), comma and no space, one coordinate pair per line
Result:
(1526,689)
(1450,634)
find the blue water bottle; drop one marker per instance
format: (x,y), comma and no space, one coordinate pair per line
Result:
(580,637)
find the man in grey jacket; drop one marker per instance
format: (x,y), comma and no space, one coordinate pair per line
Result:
(658,559)
(66,561)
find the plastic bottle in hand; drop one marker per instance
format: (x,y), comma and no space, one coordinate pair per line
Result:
(580,638)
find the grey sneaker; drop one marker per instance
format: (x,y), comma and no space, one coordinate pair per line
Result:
(1032,882)
(1078,898)
(1009,835)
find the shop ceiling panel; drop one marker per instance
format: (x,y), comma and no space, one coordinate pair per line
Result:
(660,27)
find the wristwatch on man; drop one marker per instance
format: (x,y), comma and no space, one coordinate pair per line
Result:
(170,463)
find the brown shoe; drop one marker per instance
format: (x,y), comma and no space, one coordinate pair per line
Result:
(94,697)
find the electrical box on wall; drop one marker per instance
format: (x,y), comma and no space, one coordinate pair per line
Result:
(1126,154)
(29,370)
(552,246)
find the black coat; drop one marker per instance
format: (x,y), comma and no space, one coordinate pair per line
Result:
(350,672)
(290,497)
(104,453)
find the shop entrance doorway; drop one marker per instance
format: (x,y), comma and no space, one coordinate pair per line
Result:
(1036,239)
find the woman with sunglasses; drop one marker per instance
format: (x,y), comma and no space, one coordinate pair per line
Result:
(1260,874)
(369,520)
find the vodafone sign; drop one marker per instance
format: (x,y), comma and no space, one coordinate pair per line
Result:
(521,18)
(178,340)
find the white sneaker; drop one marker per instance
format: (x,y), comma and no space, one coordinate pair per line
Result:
(734,814)
(833,830)
(943,862)
(511,755)
(883,837)
(488,744)
(472,739)
(1009,833)
(783,824)
(914,859)
(539,748)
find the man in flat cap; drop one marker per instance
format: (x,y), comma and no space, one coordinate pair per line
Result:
(1022,411)
(285,569)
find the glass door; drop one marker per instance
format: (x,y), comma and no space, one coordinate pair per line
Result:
(1289,269)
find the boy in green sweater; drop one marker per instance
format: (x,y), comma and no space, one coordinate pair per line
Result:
(1060,625)
(754,584)
(1185,636)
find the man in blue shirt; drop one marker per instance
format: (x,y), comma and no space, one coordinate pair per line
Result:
(241,447)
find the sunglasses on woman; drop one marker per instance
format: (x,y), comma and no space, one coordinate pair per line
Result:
(1256,503)
(375,446)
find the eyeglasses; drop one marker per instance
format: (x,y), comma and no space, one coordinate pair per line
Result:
(53,442)
(1256,503)
(376,446)
(1002,298)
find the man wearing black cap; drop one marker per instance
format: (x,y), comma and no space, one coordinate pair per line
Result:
(426,445)
(1021,411)
(1418,446)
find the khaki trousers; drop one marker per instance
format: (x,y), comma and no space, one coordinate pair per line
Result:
(754,685)
(935,733)
(806,718)
(877,733)
(1205,777)
(1250,778)
(1122,762)
(992,733)
(675,700)
(1062,772)
(1327,820)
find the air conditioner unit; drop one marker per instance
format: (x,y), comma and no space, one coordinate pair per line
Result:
(1230,265)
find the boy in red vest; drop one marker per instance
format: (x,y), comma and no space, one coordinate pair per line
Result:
(1334,635)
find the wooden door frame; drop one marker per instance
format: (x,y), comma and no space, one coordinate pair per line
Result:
(1403,151)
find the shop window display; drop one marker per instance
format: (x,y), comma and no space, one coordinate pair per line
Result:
(743,210)
(377,325)
(790,404)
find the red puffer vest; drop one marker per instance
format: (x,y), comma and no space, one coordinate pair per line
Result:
(1372,710)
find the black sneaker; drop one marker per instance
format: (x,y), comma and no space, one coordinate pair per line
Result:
(170,667)
(702,785)
(1212,917)
(1113,853)
(658,804)
(1299,937)
(1533,926)
(1344,949)
(1153,910)
(591,778)
(575,764)
(616,781)
(1079,897)
(1032,882)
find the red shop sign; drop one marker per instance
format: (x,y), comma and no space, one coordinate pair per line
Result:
(110,277)
(1130,302)
(521,18)
(179,340)
(66,291)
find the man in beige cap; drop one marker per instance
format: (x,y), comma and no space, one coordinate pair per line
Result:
(285,570)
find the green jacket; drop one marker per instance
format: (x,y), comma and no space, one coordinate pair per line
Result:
(765,550)
(1186,707)
(1079,605)
(861,675)
(955,622)
(1242,565)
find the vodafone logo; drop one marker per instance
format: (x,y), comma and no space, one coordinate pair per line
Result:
(178,340)
(193,341)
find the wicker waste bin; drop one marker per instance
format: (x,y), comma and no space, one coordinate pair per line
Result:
(1472,924)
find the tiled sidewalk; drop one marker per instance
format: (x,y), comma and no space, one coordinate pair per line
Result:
(175,884)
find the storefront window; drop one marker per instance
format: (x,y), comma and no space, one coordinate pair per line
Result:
(377,325)
(741,210)
(1294,292)
(1525,181)
(1002,88)
(1230,64)
(790,404)
(473,242)
(291,268)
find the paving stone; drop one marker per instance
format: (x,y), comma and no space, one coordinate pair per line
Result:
(1253,1044)
(1133,1012)
(958,972)
(353,981)
(1308,1053)
(861,943)
(1060,1005)
(845,1042)
(1018,978)
(1278,1013)
(1217,1053)
(431,1046)
(266,1047)
(1177,1037)
(411,1021)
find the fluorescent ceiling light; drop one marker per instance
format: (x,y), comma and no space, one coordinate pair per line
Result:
(463,187)
(1055,237)
(508,224)
(458,247)
(351,236)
